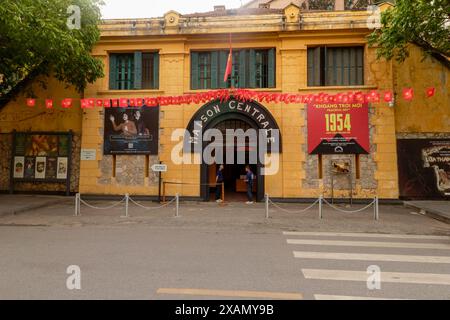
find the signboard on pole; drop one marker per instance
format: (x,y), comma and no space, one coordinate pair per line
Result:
(338,128)
(159,168)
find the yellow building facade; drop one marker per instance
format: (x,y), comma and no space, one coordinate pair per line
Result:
(290,32)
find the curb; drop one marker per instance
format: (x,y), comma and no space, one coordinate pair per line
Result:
(435,214)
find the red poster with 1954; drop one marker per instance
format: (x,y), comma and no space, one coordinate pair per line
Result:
(338,128)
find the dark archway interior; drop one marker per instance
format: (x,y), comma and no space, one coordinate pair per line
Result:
(235,187)
(234,172)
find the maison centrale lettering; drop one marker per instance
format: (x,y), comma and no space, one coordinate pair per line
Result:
(211,114)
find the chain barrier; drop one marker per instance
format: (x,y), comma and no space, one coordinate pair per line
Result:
(350,211)
(126,199)
(153,208)
(320,201)
(294,212)
(102,208)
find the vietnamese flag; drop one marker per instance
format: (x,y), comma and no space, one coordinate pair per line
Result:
(430,92)
(388,96)
(408,94)
(31,102)
(229,64)
(49,104)
(66,103)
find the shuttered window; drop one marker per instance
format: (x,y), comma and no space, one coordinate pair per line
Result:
(335,66)
(134,71)
(251,69)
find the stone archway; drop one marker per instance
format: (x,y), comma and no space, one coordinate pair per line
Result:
(215,112)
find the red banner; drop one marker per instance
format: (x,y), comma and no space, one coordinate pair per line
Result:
(338,128)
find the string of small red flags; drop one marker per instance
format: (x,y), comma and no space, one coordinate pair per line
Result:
(373,96)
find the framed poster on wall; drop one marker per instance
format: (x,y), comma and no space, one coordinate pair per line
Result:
(41,157)
(131,131)
(424,168)
(338,128)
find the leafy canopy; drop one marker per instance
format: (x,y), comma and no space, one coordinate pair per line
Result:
(425,23)
(35,40)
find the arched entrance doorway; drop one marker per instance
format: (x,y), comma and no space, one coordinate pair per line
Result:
(234,115)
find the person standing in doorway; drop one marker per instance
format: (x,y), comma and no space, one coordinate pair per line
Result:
(249,177)
(219,181)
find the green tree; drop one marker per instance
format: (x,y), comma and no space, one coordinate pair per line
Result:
(35,39)
(424,23)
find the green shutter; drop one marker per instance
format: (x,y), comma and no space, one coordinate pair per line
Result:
(194,70)
(155,71)
(223,59)
(271,71)
(112,72)
(252,68)
(214,69)
(137,70)
(242,65)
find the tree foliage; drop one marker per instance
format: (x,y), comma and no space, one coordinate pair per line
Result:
(424,23)
(36,40)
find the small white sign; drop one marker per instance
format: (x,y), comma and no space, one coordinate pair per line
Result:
(88,154)
(159,168)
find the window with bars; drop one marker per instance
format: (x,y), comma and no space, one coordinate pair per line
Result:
(336,66)
(134,71)
(251,69)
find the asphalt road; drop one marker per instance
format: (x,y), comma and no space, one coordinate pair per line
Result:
(171,262)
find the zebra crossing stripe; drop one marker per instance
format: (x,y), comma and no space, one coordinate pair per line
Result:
(367,235)
(370,257)
(386,277)
(411,245)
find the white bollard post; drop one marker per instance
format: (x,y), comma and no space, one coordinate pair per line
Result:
(267,205)
(377,213)
(77,204)
(177,205)
(320,207)
(127,198)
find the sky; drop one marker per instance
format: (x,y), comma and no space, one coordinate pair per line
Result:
(118,9)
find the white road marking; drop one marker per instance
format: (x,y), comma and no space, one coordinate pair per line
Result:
(394,277)
(367,235)
(333,297)
(411,245)
(231,293)
(370,257)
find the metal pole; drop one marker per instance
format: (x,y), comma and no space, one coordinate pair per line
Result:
(77,198)
(267,205)
(177,205)
(320,206)
(127,196)
(159,185)
(164,192)
(223,191)
(377,213)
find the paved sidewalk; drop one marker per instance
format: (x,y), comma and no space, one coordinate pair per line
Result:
(436,209)
(239,216)
(15,204)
